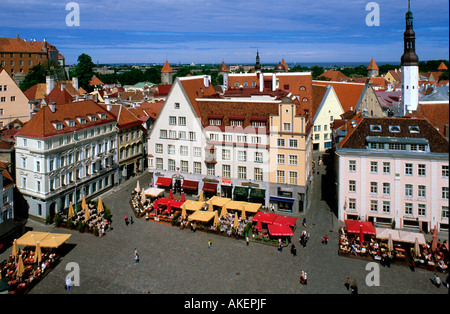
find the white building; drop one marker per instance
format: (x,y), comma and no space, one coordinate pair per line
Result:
(6,195)
(64,152)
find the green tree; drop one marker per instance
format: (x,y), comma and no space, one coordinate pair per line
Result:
(131,77)
(35,75)
(84,71)
(153,75)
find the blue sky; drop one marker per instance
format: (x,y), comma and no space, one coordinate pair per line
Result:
(212,31)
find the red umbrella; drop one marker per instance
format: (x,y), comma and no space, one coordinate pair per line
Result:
(433,244)
(183,198)
(258,225)
(171,195)
(361,234)
(169,208)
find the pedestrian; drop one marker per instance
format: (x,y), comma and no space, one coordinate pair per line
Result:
(318,171)
(303,278)
(131,220)
(210,244)
(126,220)
(293,250)
(304,222)
(354,287)
(325,240)
(436,280)
(246,239)
(136,259)
(412,265)
(280,247)
(68,283)
(347,283)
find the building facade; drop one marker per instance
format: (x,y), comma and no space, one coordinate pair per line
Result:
(394,172)
(66,152)
(13,102)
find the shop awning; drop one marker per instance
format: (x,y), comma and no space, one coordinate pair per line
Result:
(410,237)
(258,193)
(165,182)
(210,187)
(241,191)
(280,230)
(281,199)
(357,226)
(203,216)
(189,185)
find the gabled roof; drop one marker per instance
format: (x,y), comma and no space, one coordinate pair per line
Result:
(20,45)
(436,113)
(41,125)
(336,76)
(194,87)
(166,68)
(223,67)
(397,75)
(58,96)
(356,136)
(442,66)
(372,65)
(347,93)
(125,118)
(319,92)
(95,81)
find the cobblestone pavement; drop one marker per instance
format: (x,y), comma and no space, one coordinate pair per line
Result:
(179,262)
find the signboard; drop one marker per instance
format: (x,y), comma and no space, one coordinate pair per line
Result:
(226,181)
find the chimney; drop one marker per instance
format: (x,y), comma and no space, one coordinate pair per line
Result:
(261,82)
(63,86)
(274,81)
(50,84)
(75,82)
(206,80)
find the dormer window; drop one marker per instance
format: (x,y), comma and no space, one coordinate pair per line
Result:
(70,123)
(93,118)
(414,129)
(102,116)
(58,125)
(394,129)
(215,122)
(375,128)
(82,120)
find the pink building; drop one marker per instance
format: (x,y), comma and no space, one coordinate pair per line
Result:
(393,172)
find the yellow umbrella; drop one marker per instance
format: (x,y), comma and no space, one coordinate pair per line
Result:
(210,207)
(83,203)
(223,213)
(236,221)
(200,198)
(216,219)
(20,267)
(38,253)
(138,188)
(243,216)
(99,206)
(183,211)
(15,250)
(86,213)
(70,213)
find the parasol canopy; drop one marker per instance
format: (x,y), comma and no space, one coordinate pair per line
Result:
(99,206)
(200,198)
(70,214)
(54,240)
(153,192)
(433,243)
(31,238)
(20,267)
(183,211)
(203,216)
(38,253)
(357,226)
(280,230)
(15,250)
(210,206)
(183,198)
(236,221)
(224,212)
(243,216)
(216,219)
(171,195)
(138,188)
(83,203)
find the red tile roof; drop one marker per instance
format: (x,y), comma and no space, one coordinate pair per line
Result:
(436,113)
(347,93)
(166,68)
(194,86)
(8,45)
(442,66)
(95,81)
(336,76)
(41,124)
(125,118)
(372,65)
(58,96)
(223,67)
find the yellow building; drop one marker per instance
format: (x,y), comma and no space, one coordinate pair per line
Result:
(13,102)
(290,157)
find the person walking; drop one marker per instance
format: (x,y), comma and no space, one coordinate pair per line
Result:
(126,220)
(246,239)
(68,283)
(325,240)
(354,287)
(304,222)
(210,244)
(347,283)
(131,220)
(293,250)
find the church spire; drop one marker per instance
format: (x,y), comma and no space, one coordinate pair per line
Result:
(258,64)
(409,56)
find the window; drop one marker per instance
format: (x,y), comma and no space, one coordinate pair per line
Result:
(242,155)
(159,148)
(258,174)
(226,171)
(386,207)
(397,146)
(184,166)
(374,167)
(293,143)
(227,137)
(171,149)
(280,159)
(177,105)
(226,154)
(373,205)
(408,209)
(163,133)
(236,122)
(444,213)
(197,167)
(256,139)
(444,171)
(242,138)
(192,136)
(171,165)
(280,176)
(280,142)
(182,121)
(408,169)
(386,188)
(352,204)
(38,166)
(386,167)
(293,160)
(352,165)
(258,157)
(197,152)
(422,210)
(409,190)
(422,170)
(445,193)
(375,128)
(172,134)
(183,150)
(422,191)
(293,177)
(172,120)
(286,126)
(373,187)
(38,186)
(182,135)
(242,172)
(394,129)
(352,186)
